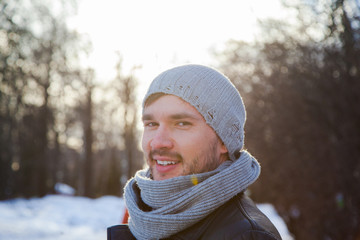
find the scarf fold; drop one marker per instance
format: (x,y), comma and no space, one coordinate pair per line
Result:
(177,203)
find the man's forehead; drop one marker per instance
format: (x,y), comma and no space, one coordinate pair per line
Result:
(171,104)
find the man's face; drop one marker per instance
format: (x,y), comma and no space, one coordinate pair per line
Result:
(177,141)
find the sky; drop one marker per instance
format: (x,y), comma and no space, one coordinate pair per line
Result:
(160,34)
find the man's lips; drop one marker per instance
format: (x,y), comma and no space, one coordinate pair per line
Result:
(165,163)
(163,155)
(165,158)
(162,160)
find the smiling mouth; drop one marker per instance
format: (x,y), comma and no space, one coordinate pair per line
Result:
(165,158)
(165,163)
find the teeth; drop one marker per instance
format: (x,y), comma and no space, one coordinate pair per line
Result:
(164,163)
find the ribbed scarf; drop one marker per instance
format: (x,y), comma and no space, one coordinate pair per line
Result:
(178,203)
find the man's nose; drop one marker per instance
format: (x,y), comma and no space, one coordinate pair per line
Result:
(161,139)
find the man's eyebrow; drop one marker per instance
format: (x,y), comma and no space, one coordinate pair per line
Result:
(175,116)
(147,117)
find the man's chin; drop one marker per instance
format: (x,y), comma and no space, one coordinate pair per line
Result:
(161,176)
(163,172)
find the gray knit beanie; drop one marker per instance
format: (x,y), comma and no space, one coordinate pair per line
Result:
(213,95)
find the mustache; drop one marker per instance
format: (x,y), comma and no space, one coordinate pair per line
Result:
(165,153)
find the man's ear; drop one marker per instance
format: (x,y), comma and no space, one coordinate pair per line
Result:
(223,148)
(224,153)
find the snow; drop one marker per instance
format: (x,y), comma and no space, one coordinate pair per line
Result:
(59,217)
(64,189)
(279,223)
(62,217)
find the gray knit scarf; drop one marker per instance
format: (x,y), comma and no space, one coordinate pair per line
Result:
(177,203)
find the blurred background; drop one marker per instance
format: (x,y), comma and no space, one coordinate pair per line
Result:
(73,73)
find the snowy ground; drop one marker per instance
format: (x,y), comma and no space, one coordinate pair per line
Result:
(60,217)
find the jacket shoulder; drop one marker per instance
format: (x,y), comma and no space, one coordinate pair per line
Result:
(119,232)
(258,222)
(243,220)
(239,218)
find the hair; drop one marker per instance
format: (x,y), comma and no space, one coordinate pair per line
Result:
(153,97)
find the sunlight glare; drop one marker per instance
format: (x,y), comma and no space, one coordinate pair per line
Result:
(160,33)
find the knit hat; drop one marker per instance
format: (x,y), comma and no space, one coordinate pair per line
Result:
(213,95)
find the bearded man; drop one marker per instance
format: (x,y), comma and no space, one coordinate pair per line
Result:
(197,171)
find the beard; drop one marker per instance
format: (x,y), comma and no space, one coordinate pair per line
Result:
(206,161)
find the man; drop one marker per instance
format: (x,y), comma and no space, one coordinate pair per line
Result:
(198,171)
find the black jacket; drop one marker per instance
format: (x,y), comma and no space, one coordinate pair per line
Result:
(239,218)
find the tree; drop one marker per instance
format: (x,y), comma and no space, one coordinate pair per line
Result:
(87,119)
(126,90)
(11,88)
(37,59)
(117,134)
(300,85)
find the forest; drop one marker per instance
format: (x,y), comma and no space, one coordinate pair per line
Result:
(52,129)
(300,82)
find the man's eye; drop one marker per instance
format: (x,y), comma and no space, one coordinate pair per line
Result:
(183,124)
(150,124)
